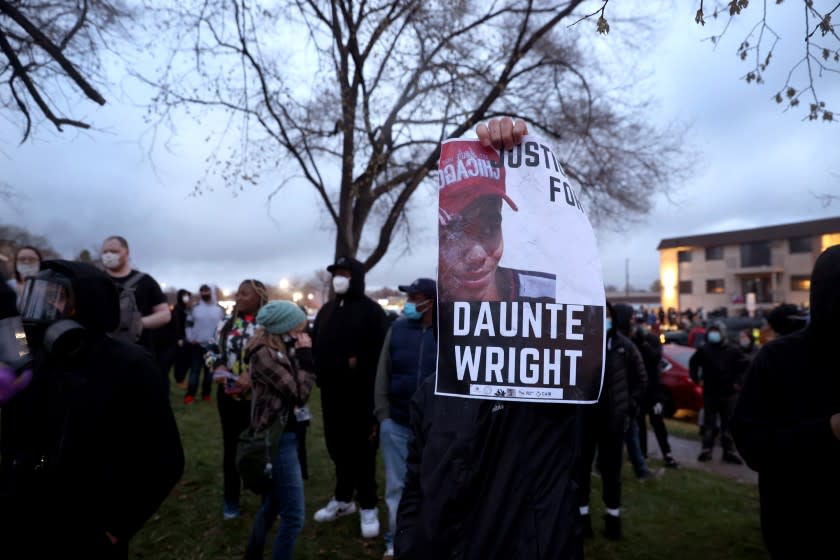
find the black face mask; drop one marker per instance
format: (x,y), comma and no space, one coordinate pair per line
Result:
(206,297)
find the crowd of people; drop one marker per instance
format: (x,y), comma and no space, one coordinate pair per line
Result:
(90,447)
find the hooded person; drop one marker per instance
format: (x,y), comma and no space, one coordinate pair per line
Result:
(347,338)
(637,383)
(787,425)
(90,448)
(719,367)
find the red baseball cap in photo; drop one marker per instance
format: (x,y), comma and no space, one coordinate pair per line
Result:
(466,171)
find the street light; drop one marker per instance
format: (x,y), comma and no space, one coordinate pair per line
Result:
(297,296)
(226,293)
(283,284)
(310,297)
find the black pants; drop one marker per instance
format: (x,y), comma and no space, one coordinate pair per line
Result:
(236,417)
(197,367)
(610,444)
(657,422)
(183,361)
(347,428)
(164,358)
(717,408)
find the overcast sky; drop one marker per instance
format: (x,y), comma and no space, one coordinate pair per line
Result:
(756,166)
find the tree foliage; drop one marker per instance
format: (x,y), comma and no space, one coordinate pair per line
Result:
(354,98)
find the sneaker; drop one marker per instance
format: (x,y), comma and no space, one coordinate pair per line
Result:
(188,399)
(650,475)
(670,462)
(389,553)
(732,458)
(333,510)
(612,527)
(182,385)
(705,455)
(369,523)
(586,524)
(207,398)
(231,512)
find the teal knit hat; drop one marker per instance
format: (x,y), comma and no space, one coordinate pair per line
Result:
(279,317)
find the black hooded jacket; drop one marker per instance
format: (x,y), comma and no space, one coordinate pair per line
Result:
(91,446)
(625,361)
(489,480)
(350,325)
(782,426)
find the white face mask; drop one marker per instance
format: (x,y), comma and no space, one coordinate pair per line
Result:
(27,270)
(111,260)
(341,284)
(185,299)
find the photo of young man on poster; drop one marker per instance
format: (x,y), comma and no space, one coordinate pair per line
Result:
(470,235)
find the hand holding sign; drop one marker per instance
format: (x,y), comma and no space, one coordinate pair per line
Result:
(499,133)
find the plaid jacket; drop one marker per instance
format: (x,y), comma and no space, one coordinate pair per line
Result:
(278,385)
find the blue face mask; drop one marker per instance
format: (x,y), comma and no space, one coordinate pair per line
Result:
(608,324)
(410,310)
(714,337)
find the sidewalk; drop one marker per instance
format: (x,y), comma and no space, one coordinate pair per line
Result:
(685,451)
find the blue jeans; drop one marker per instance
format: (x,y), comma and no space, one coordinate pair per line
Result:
(285,499)
(197,365)
(393,438)
(634,449)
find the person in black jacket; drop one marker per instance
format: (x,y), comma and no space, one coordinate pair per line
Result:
(637,383)
(183,352)
(604,426)
(653,404)
(347,339)
(787,426)
(719,367)
(90,449)
(490,480)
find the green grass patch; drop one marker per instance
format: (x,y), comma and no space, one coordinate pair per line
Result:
(685,514)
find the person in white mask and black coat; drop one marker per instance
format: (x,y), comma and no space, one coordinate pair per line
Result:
(347,338)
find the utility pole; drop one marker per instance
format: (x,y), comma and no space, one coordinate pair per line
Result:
(626,277)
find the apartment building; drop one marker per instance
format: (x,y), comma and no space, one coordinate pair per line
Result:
(752,269)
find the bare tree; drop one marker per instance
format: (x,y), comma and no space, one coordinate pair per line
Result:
(47,45)
(388,81)
(820,48)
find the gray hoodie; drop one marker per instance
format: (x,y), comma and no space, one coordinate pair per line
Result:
(202,321)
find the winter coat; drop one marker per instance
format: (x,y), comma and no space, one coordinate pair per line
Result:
(627,357)
(723,365)
(489,480)
(91,445)
(782,426)
(350,325)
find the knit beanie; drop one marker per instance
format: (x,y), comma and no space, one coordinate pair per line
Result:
(279,317)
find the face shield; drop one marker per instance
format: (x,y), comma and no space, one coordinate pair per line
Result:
(46,299)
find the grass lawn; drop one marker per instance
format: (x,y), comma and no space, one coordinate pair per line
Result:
(685,514)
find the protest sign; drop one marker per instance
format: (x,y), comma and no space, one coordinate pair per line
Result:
(520,290)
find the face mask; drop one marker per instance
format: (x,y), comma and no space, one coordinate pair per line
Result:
(341,284)
(206,297)
(110,260)
(608,324)
(185,299)
(745,343)
(27,270)
(714,337)
(411,312)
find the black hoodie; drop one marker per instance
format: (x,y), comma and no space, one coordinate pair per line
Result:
(782,426)
(350,325)
(91,445)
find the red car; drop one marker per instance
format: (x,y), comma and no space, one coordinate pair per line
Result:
(682,391)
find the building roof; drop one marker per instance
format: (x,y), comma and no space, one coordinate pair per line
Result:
(769,233)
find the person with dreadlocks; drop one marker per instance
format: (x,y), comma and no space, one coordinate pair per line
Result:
(229,365)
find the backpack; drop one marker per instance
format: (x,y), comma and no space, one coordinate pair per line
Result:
(130,326)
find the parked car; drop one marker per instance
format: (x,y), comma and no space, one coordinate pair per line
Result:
(674,337)
(682,392)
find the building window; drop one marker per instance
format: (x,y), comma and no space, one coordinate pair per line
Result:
(755,254)
(800,283)
(714,253)
(715,286)
(684,256)
(685,287)
(801,244)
